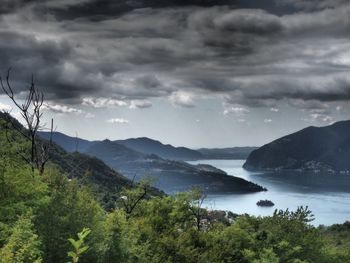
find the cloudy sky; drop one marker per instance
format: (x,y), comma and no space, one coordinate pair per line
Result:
(213,73)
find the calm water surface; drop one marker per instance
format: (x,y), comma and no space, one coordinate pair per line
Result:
(328,196)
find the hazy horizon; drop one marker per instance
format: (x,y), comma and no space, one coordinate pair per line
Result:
(165,142)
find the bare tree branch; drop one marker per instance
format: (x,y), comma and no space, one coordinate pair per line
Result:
(31,113)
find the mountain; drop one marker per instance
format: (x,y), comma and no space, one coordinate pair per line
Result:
(100,176)
(105,182)
(75,164)
(313,148)
(112,152)
(234,153)
(149,146)
(70,144)
(165,151)
(169,175)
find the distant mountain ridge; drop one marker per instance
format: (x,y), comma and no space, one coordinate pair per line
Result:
(150,146)
(170,175)
(313,148)
(233,153)
(69,143)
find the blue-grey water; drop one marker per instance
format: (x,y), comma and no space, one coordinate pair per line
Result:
(327,195)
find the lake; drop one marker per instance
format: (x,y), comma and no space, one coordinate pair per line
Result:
(327,196)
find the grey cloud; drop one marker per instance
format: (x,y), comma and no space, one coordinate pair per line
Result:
(103,102)
(140,104)
(25,54)
(324,23)
(62,109)
(312,4)
(148,81)
(182,98)
(248,22)
(99,9)
(329,88)
(235,109)
(247,57)
(8,6)
(118,121)
(28,50)
(235,31)
(102,8)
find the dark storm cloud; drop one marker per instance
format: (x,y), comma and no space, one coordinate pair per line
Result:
(8,6)
(138,50)
(25,54)
(312,4)
(321,89)
(247,21)
(234,31)
(98,9)
(113,8)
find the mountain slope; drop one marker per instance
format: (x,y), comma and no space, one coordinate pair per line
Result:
(112,152)
(78,165)
(166,151)
(70,144)
(88,170)
(313,148)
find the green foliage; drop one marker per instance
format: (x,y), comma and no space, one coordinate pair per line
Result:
(337,238)
(302,215)
(115,245)
(23,245)
(70,208)
(266,256)
(79,245)
(131,197)
(20,193)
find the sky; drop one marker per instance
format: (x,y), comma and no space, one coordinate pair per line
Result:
(196,73)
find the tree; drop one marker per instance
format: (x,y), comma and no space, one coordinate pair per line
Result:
(194,205)
(71,207)
(130,198)
(115,244)
(23,245)
(197,198)
(31,112)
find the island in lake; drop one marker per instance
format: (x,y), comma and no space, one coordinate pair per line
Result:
(265,203)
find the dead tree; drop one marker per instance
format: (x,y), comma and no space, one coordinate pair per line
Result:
(31,113)
(130,202)
(130,198)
